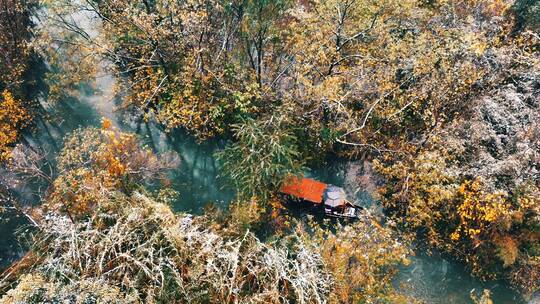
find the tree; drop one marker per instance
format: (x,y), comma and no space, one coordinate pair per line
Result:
(13,118)
(96,162)
(363,258)
(15,50)
(473,190)
(198,64)
(369,75)
(264,154)
(386,74)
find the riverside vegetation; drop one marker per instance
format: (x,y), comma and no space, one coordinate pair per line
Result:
(441,97)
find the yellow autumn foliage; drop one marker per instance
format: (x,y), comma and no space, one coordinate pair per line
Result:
(492,231)
(95,161)
(480,212)
(363,258)
(13,118)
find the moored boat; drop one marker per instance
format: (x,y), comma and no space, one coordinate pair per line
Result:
(332,199)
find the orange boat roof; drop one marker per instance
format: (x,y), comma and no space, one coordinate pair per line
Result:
(304,188)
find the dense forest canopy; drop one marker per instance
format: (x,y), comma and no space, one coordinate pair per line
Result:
(441,98)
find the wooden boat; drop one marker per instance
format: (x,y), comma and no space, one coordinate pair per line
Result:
(331,199)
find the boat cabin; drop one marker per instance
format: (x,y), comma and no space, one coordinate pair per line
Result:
(332,199)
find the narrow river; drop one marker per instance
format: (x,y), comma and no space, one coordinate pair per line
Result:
(431,278)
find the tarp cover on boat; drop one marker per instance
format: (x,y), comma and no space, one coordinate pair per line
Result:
(335,196)
(304,188)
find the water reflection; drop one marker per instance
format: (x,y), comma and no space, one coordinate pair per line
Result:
(197,178)
(440,281)
(11,224)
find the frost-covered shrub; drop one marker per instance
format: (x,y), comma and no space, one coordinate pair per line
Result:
(147,254)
